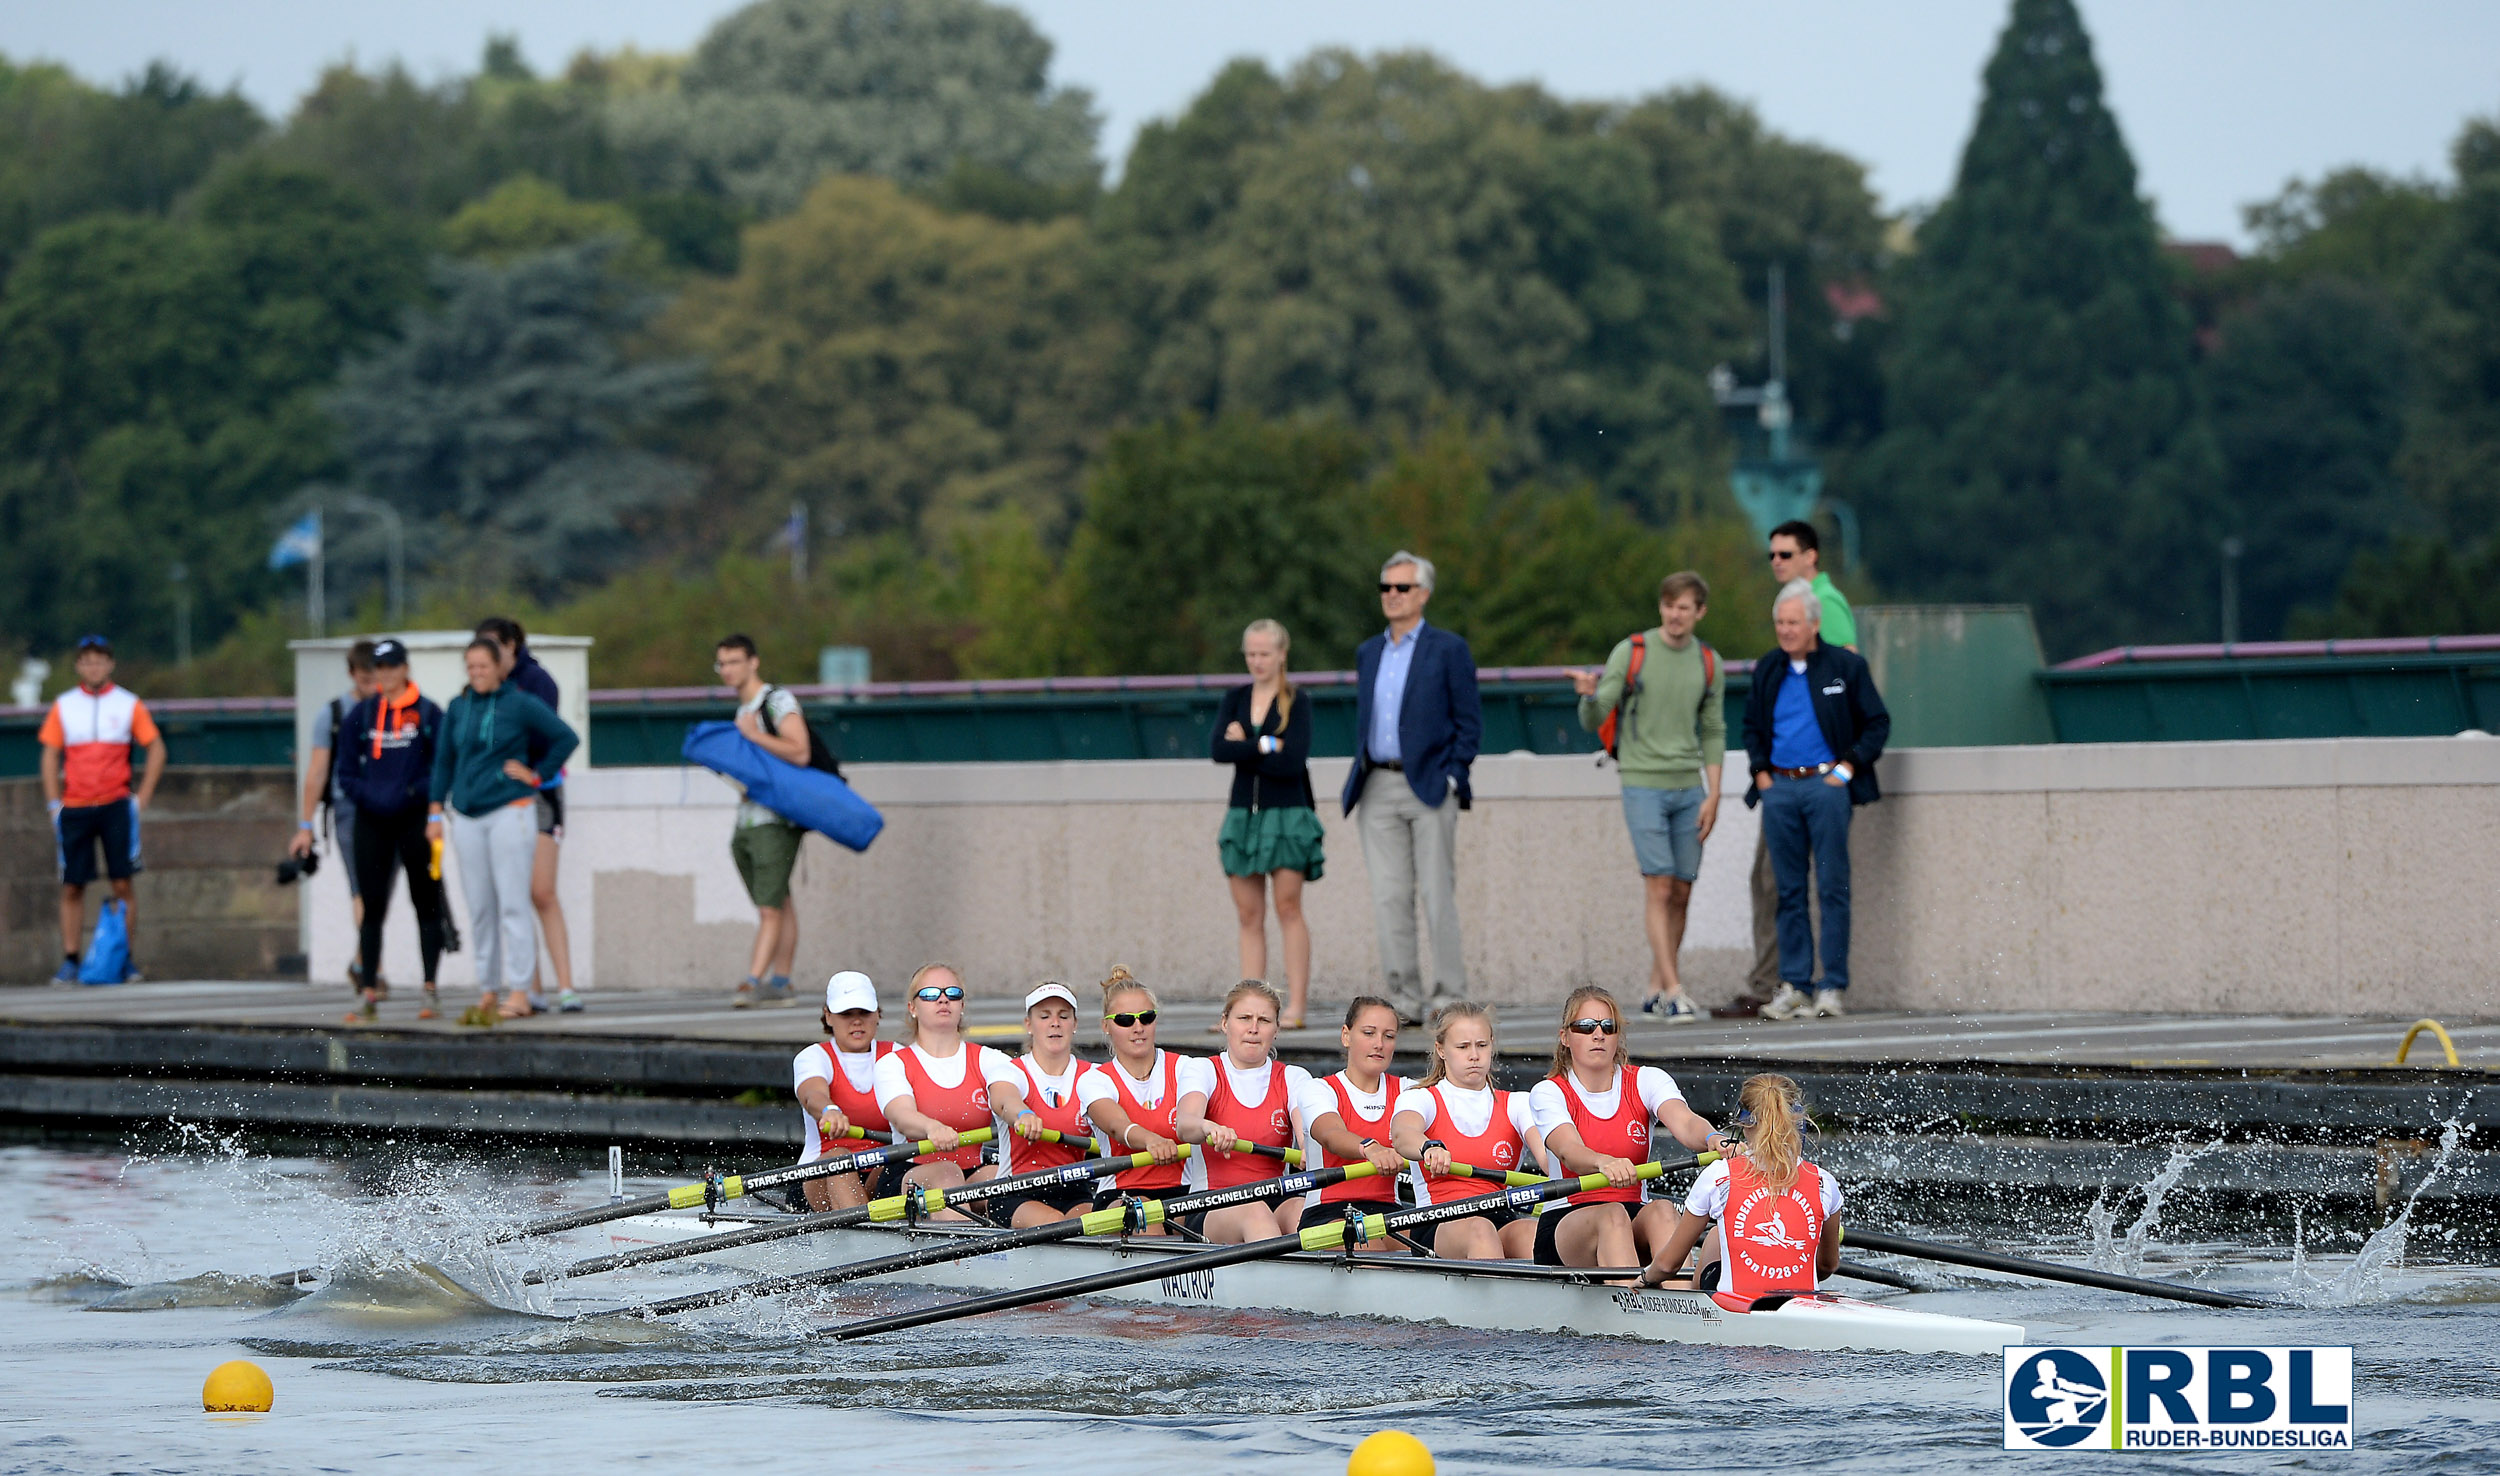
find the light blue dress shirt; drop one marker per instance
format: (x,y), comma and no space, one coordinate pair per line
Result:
(1389,694)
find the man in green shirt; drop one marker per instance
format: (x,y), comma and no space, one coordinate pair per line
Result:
(1796,553)
(1670,742)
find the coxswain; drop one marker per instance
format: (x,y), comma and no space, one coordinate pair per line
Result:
(1596,1111)
(836,1083)
(1242,1095)
(939,1086)
(1141,1112)
(1348,1114)
(1456,1115)
(1778,1215)
(1057,1091)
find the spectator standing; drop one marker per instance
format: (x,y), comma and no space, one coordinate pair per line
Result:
(1814,726)
(764,844)
(1668,697)
(1272,835)
(385,773)
(490,794)
(522,670)
(1420,721)
(321,790)
(85,744)
(1796,552)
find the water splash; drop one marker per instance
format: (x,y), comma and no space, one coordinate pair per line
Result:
(2126,1256)
(2365,1279)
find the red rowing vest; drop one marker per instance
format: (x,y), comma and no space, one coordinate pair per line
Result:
(963,1107)
(1376,1188)
(858,1106)
(1066,1117)
(1624,1135)
(1159,1119)
(1497,1147)
(1268,1122)
(1770,1239)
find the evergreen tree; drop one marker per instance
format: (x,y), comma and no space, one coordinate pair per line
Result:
(2453,459)
(2045,442)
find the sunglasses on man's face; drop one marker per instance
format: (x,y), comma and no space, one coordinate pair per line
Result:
(1126,1018)
(1592,1027)
(951,991)
(1778,554)
(1387,588)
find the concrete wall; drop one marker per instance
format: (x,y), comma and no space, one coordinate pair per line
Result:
(2298,876)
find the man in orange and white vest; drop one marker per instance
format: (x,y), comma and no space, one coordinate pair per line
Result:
(86,740)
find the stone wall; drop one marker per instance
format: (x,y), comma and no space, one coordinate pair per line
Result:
(2297,876)
(206,904)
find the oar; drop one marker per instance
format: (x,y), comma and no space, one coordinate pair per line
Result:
(1954,1255)
(911,1202)
(1113,1220)
(1328,1235)
(732,1186)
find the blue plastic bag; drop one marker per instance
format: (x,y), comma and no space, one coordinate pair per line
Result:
(108,953)
(809,798)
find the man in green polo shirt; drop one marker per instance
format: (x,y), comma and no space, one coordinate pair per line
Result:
(1796,553)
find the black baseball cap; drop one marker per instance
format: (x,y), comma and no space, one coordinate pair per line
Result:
(95,643)
(388,652)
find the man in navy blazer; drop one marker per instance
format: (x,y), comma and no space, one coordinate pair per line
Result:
(1419,721)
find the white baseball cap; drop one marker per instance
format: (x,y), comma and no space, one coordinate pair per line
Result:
(850,990)
(1050,991)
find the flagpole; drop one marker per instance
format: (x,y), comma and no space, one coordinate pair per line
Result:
(313,581)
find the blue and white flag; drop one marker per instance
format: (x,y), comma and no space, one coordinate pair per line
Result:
(299,544)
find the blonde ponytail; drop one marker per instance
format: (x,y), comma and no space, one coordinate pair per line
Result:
(1774,1139)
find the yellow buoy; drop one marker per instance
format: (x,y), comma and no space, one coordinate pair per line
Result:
(1390,1453)
(241,1385)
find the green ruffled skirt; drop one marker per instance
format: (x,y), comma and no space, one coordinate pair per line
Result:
(1256,842)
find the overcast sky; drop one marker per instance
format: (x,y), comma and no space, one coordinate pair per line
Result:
(2222,100)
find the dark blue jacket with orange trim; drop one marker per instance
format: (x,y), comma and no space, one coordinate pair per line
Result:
(385,755)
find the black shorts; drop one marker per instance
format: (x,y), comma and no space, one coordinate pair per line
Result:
(1549,1225)
(551,812)
(82,828)
(1001,1209)
(1423,1235)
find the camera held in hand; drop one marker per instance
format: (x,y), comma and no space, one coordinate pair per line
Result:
(294,867)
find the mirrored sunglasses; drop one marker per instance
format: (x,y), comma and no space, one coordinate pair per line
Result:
(1586,1026)
(951,991)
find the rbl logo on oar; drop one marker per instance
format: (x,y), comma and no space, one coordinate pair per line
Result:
(2212,1398)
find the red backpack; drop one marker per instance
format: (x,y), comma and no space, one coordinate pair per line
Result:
(1608,731)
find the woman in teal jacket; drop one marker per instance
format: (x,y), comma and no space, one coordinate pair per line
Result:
(497,743)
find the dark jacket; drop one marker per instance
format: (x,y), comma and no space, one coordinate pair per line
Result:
(480,733)
(1846,707)
(1265,781)
(1440,721)
(384,762)
(536,680)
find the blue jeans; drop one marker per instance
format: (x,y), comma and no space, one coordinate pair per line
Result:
(1804,818)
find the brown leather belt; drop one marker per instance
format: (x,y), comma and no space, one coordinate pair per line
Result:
(1810,771)
(1388,764)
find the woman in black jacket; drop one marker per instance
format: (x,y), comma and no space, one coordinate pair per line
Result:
(1271,834)
(385,758)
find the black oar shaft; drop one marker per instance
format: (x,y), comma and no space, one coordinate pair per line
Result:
(1955,1255)
(730,1186)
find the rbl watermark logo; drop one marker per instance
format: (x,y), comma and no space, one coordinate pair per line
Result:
(2178,1398)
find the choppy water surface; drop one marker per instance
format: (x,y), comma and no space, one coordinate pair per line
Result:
(126,1276)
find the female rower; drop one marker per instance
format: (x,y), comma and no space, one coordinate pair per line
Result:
(1349,1113)
(1595,1115)
(939,1086)
(1140,1113)
(1057,1090)
(1243,1095)
(836,1084)
(1456,1116)
(1778,1214)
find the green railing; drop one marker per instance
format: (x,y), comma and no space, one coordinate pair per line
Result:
(2349,690)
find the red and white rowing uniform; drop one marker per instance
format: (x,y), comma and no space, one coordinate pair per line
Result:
(1499,1139)
(1768,1240)
(954,1090)
(1614,1122)
(1154,1105)
(1366,1115)
(1256,1104)
(851,1078)
(1060,1101)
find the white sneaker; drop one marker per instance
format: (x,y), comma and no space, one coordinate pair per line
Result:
(1790,1003)
(1828,1005)
(1679,1010)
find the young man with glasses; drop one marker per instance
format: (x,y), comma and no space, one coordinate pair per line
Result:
(765,845)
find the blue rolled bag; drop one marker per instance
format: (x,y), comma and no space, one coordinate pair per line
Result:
(809,798)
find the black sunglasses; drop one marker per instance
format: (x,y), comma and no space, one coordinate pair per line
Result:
(1586,1026)
(932,991)
(1387,588)
(1776,555)
(1126,1018)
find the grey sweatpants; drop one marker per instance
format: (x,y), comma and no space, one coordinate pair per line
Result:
(496,850)
(1410,849)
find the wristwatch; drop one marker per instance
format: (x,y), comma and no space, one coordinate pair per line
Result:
(1432,1143)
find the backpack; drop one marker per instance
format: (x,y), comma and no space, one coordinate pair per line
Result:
(1609,732)
(820,755)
